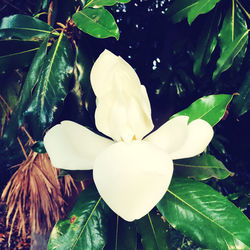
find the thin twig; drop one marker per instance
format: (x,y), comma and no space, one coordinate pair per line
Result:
(21,145)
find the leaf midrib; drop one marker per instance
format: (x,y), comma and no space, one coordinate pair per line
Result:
(198,166)
(202,214)
(19,53)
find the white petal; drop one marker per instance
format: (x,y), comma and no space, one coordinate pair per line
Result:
(72,146)
(132,177)
(200,133)
(123,109)
(171,135)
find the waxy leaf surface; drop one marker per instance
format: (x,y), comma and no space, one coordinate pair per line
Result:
(24,27)
(209,108)
(201,168)
(205,215)
(96,22)
(85,227)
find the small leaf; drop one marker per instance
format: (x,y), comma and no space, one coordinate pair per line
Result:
(16,54)
(201,168)
(153,231)
(85,227)
(205,215)
(24,27)
(39,147)
(233,38)
(179,9)
(209,108)
(206,43)
(96,22)
(202,7)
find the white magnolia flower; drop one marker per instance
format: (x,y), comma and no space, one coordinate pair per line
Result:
(131,173)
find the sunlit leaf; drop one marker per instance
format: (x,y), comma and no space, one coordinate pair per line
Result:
(153,231)
(202,7)
(96,22)
(209,108)
(205,215)
(85,227)
(24,27)
(101,3)
(233,39)
(201,168)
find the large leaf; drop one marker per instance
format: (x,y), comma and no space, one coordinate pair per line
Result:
(205,216)
(25,97)
(202,7)
(153,232)
(15,53)
(241,103)
(209,108)
(96,22)
(101,3)
(85,226)
(122,235)
(233,39)
(24,27)
(52,86)
(207,42)
(201,168)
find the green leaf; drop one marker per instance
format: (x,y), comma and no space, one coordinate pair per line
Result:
(233,38)
(17,117)
(179,9)
(16,54)
(209,108)
(101,3)
(78,175)
(201,168)
(85,226)
(205,216)
(202,7)
(207,42)
(96,22)
(153,232)
(24,27)
(123,235)
(52,86)
(241,102)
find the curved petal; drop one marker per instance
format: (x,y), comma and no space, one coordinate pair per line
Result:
(200,133)
(132,177)
(107,71)
(123,109)
(171,135)
(72,146)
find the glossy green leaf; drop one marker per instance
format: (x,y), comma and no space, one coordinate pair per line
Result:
(206,43)
(153,232)
(241,102)
(179,9)
(85,227)
(101,3)
(17,117)
(122,235)
(24,27)
(205,215)
(202,7)
(96,22)
(201,168)
(233,39)
(209,108)
(16,54)
(52,86)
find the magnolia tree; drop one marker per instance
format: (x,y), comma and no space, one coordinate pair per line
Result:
(91,134)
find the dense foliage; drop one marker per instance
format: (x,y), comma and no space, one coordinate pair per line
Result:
(193,58)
